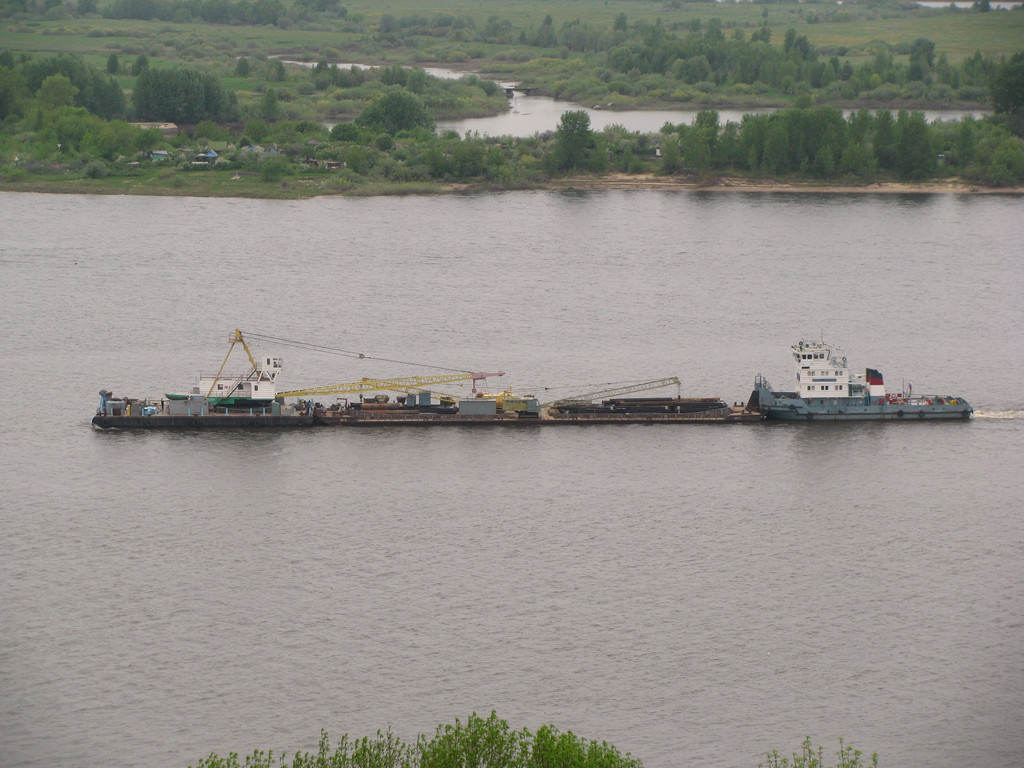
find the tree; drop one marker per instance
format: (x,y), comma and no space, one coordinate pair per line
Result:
(857,160)
(345,132)
(104,98)
(182,96)
(777,147)
(395,111)
(97,92)
(114,139)
(922,58)
(884,140)
(706,124)
(790,40)
(113,65)
(265,12)
(697,148)
(915,155)
(573,140)
(277,71)
(762,34)
(273,168)
(257,130)
(12,91)
(210,130)
(1007,166)
(56,91)
(416,81)
(671,158)
(1008,91)
(140,64)
(242,67)
(270,110)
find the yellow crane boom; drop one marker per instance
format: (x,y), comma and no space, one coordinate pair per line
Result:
(235,338)
(603,393)
(400,384)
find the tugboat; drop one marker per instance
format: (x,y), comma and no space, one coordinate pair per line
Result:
(828,391)
(255,388)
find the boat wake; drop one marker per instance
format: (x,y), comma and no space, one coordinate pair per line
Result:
(1010,414)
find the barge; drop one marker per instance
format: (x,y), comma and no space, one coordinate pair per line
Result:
(117,413)
(827,390)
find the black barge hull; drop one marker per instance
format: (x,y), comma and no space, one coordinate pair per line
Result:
(383,419)
(212,421)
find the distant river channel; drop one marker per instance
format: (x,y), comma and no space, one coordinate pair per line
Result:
(529,114)
(695,595)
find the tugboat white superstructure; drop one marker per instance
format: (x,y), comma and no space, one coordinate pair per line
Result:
(827,390)
(255,388)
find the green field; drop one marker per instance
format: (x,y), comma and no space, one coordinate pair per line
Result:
(957,34)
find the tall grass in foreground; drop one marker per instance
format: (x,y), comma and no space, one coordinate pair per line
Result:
(490,743)
(809,757)
(478,743)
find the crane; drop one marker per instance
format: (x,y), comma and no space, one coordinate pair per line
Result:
(260,373)
(400,384)
(591,396)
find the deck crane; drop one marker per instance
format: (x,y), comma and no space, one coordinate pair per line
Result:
(591,396)
(400,384)
(258,373)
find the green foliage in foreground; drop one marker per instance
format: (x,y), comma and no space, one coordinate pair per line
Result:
(809,757)
(477,742)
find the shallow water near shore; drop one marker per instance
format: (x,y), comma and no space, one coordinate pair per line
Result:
(693,595)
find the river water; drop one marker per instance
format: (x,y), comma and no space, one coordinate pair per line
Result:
(694,595)
(530,114)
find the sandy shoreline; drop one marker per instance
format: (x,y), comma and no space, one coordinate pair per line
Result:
(304,188)
(736,184)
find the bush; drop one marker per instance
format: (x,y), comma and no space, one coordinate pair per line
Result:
(941,93)
(96,169)
(1007,166)
(274,168)
(345,132)
(478,742)
(808,757)
(972,93)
